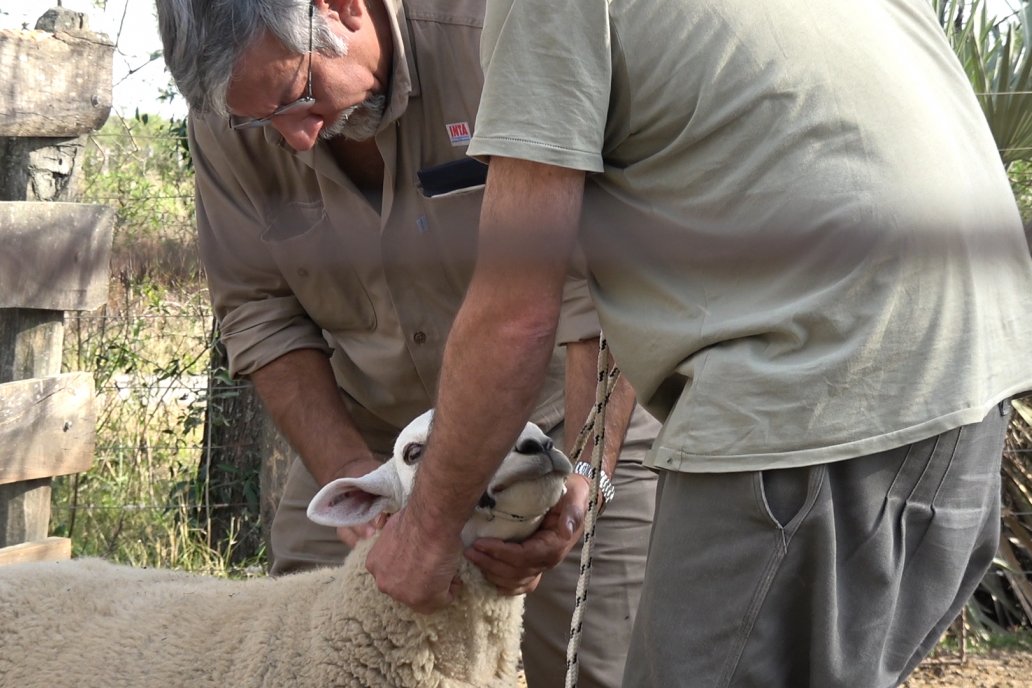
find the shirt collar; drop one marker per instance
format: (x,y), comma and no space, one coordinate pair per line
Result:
(404,78)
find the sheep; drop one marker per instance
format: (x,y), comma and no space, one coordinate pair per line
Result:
(88,623)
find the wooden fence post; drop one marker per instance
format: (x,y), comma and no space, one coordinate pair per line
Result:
(53,258)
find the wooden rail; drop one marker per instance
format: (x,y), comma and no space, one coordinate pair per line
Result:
(55,84)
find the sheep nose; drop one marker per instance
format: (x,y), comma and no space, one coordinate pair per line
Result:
(534,445)
(560,464)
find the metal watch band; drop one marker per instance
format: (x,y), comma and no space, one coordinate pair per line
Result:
(605,486)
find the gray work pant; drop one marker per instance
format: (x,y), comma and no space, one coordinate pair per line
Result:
(841,575)
(618,569)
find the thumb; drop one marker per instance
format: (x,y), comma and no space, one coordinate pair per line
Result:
(571,518)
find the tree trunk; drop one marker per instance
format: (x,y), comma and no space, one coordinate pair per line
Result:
(230,464)
(243,466)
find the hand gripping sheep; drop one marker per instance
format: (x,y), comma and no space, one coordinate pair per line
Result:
(90,624)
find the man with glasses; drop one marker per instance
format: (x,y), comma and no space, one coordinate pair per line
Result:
(337,218)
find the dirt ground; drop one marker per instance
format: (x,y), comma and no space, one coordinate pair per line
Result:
(995,669)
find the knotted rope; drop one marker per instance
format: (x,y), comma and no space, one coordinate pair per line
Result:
(595,424)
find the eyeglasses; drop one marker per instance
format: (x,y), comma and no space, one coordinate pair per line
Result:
(305,101)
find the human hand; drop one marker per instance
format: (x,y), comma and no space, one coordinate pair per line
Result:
(352,535)
(515,568)
(415,567)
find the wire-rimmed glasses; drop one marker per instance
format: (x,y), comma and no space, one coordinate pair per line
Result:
(305,101)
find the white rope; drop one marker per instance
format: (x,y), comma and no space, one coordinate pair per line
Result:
(595,422)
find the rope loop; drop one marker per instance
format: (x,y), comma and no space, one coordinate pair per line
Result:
(595,426)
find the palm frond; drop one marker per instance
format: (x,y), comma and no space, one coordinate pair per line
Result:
(997,59)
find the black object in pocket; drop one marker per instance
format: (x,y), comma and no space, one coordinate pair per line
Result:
(448,177)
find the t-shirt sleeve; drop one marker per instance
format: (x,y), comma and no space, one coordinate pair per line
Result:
(547,74)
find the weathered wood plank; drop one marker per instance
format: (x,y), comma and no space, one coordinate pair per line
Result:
(55,256)
(46,427)
(54,84)
(51,549)
(31,343)
(41,169)
(24,512)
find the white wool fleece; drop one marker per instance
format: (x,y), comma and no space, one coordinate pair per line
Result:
(91,624)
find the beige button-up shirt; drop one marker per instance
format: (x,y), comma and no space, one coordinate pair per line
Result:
(298,257)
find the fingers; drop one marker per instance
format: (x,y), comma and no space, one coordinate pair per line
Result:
(542,551)
(510,579)
(421,601)
(516,568)
(573,506)
(352,535)
(416,568)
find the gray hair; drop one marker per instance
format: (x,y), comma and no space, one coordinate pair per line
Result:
(204,40)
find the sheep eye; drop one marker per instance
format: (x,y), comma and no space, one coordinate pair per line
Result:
(412,453)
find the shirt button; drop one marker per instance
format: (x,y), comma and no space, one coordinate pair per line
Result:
(419,337)
(302,272)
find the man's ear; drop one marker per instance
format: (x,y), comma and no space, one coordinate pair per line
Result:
(353,501)
(347,12)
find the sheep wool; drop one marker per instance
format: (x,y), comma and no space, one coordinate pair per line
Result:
(91,624)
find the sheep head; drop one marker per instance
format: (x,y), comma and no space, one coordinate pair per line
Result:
(526,485)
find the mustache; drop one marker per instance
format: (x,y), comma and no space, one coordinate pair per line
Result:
(358,122)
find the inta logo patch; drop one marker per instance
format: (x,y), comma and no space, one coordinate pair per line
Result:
(459,133)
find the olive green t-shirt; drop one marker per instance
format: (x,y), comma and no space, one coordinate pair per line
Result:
(803,243)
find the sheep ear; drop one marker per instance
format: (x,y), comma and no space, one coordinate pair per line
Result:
(353,501)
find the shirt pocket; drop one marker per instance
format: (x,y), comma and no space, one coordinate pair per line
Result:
(453,178)
(449,222)
(316,260)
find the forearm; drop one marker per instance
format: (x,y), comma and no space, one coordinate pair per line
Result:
(502,338)
(300,394)
(581,380)
(494,364)
(489,383)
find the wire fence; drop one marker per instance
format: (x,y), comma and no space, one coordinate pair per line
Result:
(150,349)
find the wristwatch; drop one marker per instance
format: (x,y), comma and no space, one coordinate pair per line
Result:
(605,486)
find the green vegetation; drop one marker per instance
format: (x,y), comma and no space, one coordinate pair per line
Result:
(986,643)
(140,168)
(995,54)
(149,351)
(1020,641)
(1021,181)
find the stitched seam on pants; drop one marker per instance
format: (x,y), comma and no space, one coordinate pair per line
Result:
(957,435)
(817,478)
(898,477)
(759,495)
(784,537)
(921,487)
(753,612)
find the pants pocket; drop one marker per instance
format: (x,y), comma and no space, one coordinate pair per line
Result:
(788,493)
